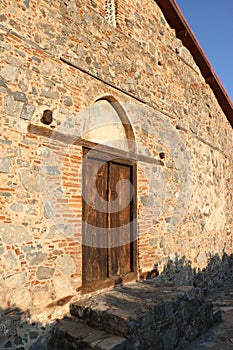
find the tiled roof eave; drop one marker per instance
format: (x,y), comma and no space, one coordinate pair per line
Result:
(177,21)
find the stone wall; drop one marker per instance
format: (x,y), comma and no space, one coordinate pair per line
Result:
(63,56)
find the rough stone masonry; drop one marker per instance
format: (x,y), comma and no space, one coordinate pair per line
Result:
(63,56)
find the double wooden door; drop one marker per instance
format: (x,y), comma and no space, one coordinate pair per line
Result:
(108,248)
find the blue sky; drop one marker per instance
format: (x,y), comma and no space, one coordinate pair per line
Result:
(212,23)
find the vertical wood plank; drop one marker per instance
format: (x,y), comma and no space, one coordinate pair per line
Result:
(119,202)
(95,226)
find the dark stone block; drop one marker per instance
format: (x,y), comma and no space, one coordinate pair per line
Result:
(18,340)
(217,316)
(33,334)
(8,345)
(159,313)
(40,344)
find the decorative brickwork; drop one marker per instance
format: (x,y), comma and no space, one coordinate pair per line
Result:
(110,9)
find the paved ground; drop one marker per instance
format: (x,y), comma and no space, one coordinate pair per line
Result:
(220,337)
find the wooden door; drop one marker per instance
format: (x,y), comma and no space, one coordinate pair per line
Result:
(107,251)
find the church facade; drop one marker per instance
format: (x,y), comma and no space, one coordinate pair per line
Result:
(116,148)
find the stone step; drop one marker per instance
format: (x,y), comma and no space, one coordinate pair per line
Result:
(98,314)
(70,334)
(148,315)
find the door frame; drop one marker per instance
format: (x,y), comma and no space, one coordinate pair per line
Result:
(110,281)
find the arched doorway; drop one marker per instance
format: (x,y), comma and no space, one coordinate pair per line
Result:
(109,197)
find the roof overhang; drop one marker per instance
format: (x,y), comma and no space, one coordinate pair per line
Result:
(176,20)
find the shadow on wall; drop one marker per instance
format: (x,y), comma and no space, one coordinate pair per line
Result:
(18,332)
(218,272)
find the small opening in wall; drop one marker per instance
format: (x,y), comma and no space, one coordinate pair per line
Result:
(162,155)
(47,117)
(110,12)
